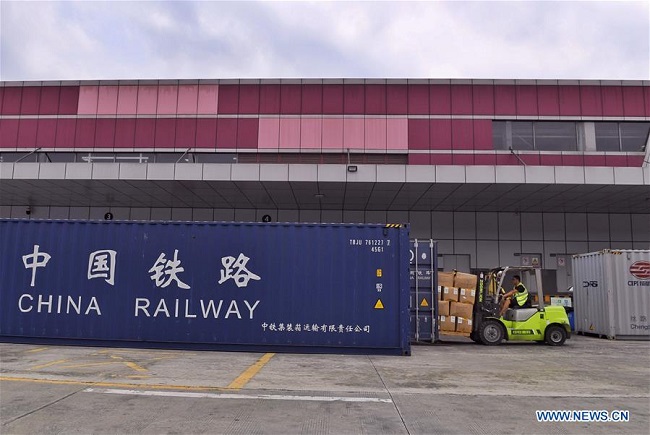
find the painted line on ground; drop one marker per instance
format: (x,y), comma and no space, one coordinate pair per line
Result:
(237,396)
(250,372)
(40,349)
(111,384)
(51,363)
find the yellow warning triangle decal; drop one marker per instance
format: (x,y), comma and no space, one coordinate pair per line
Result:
(379,305)
(424,302)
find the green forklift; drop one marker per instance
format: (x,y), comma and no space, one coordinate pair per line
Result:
(539,323)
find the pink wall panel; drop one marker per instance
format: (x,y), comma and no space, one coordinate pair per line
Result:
(569,100)
(485,159)
(228,99)
(440,134)
(270,99)
(483,100)
(226,132)
(612,100)
(418,100)
(440,99)
(441,159)
(396,99)
(483,134)
(249,99)
(269,133)
(107,100)
(507,160)
(8,133)
(591,101)
(633,104)
(105,133)
(65,132)
(85,133)
(2,94)
(615,160)
(165,133)
(397,134)
(375,100)
(68,100)
(167,100)
(332,99)
(49,100)
(333,133)
(591,160)
(646,91)
(312,99)
(462,134)
(188,97)
(127,100)
(290,133)
(206,132)
(125,133)
(550,159)
(526,100)
(530,159)
(247,130)
(88,100)
(31,100)
(147,100)
(418,159)
(573,160)
(185,132)
(27,133)
(311,133)
(505,100)
(462,159)
(375,133)
(353,133)
(353,99)
(290,99)
(418,133)
(145,133)
(208,99)
(461,99)
(635,161)
(548,100)
(11,101)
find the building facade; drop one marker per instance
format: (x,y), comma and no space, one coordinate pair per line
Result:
(499,172)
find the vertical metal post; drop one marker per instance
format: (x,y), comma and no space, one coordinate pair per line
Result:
(433,248)
(417,287)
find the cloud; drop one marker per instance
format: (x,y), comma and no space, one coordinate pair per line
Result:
(119,40)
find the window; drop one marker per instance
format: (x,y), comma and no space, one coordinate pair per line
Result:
(634,135)
(555,136)
(522,136)
(607,136)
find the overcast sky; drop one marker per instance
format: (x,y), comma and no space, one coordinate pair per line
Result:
(59,40)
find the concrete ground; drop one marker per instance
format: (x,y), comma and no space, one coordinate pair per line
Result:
(456,387)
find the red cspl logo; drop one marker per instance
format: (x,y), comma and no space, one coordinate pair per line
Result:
(640,269)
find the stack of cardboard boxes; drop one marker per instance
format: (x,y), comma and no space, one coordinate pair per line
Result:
(457,292)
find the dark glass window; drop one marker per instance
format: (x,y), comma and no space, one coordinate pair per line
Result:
(555,136)
(607,136)
(634,136)
(522,135)
(499,136)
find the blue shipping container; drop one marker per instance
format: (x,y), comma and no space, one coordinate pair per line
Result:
(231,286)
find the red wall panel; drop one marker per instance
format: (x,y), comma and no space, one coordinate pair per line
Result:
(569,100)
(31,100)
(462,134)
(441,159)
(49,100)
(461,99)
(462,159)
(418,134)
(612,100)
(595,160)
(646,91)
(312,99)
(290,99)
(105,133)
(375,100)
(396,99)
(249,99)
(228,99)
(11,100)
(85,133)
(548,100)
(483,134)
(186,132)
(635,161)
(270,99)
(530,159)
(124,133)
(507,160)
(573,160)
(440,134)
(68,100)
(616,160)
(590,101)
(247,131)
(440,99)
(526,100)
(550,159)
(505,100)
(46,133)
(633,101)
(332,99)
(418,100)
(206,133)
(418,159)
(165,133)
(8,133)
(65,132)
(145,133)
(353,99)
(226,133)
(483,100)
(485,159)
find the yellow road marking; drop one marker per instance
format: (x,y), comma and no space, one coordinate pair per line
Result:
(52,363)
(135,367)
(36,350)
(76,366)
(112,384)
(250,372)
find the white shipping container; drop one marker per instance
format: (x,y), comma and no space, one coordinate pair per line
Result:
(611,293)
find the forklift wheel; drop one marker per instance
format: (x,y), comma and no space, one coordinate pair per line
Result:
(491,332)
(555,335)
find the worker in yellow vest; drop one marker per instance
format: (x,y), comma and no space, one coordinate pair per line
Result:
(515,298)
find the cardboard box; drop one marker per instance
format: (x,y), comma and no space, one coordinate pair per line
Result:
(460,309)
(443,308)
(440,290)
(466,295)
(450,294)
(465,280)
(446,279)
(447,323)
(463,325)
